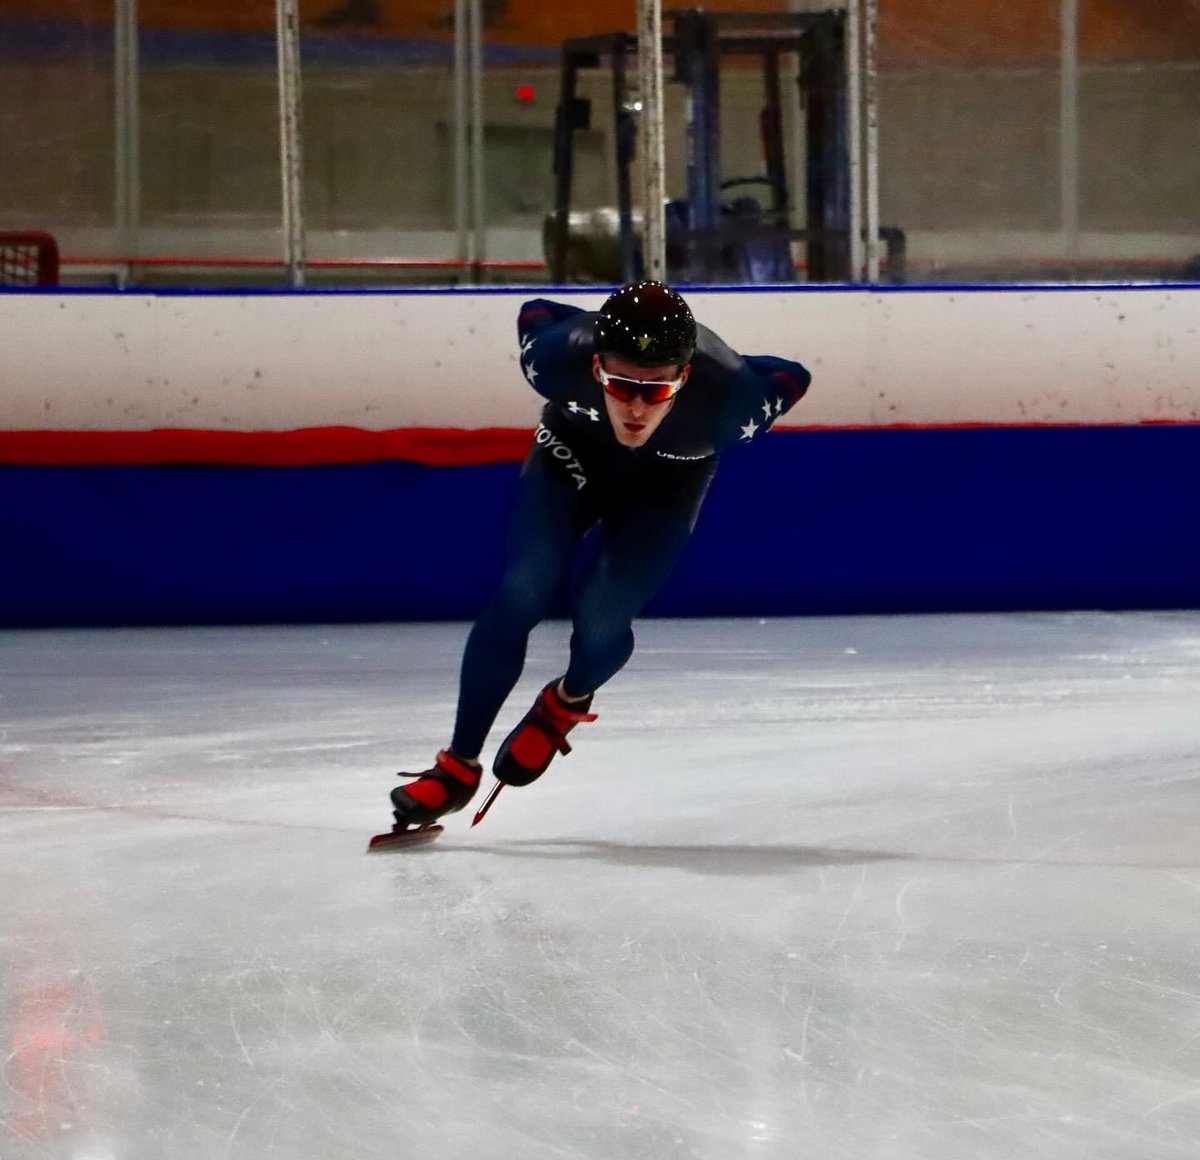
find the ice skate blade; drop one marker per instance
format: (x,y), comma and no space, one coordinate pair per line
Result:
(403,839)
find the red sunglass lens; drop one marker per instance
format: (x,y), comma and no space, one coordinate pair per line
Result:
(657,393)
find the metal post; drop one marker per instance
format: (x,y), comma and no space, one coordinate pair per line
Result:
(1069,128)
(287,35)
(854,134)
(772,130)
(796,143)
(698,67)
(478,215)
(625,132)
(127,123)
(566,120)
(871,101)
(650,63)
(461,161)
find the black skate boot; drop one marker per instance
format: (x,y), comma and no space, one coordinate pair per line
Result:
(445,788)
(527,751)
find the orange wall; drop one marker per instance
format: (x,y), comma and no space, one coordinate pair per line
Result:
(511,21)
(1016,32)
(913,33)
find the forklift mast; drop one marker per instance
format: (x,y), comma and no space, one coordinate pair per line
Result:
(713,236)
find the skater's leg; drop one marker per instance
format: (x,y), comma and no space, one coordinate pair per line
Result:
(545,526)
(637,554)
(547,523)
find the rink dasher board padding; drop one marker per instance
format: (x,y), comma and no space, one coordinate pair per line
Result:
(241,362)
(852,521)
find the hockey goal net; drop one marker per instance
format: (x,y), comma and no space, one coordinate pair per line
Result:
(28,258)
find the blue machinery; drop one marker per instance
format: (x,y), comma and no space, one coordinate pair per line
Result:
(733,229)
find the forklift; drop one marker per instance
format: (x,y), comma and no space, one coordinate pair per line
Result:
(726,230)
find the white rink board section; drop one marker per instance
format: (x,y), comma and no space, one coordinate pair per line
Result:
(898,889)
(380,361)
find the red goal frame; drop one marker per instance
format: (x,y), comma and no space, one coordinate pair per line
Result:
(28,258)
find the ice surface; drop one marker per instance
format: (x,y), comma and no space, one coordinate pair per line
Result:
(844,889)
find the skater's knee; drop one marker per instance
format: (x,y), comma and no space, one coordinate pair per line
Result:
(523,599)
(527,595)
(596,654)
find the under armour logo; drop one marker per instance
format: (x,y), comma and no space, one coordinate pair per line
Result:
(590,412)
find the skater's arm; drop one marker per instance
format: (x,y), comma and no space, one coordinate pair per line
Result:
(536,315)
(764,388)
(780,379)
(555,338)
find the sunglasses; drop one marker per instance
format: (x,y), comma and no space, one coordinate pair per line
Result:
(626,390)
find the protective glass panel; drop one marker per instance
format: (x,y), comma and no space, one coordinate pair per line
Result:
(1018,140)
(56,120)
(1040,139)
(1139,140)
(732,197)
(208,143)
(379,115)
(969,98)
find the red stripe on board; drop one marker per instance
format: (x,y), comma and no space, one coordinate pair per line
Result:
(316,446)
(983,426)
(307,447)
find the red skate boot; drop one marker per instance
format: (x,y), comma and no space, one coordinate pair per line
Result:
(528,750)
(445,788)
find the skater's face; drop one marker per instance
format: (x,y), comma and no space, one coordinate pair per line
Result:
(637,398)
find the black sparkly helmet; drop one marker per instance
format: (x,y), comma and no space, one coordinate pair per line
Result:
(648,324)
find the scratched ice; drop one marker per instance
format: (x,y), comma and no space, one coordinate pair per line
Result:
(856,889)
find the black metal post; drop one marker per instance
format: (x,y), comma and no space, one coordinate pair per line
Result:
(625,135)
(565,117)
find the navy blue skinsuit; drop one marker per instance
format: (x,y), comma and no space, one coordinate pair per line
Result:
(643,501)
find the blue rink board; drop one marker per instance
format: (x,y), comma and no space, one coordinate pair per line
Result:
(813,522)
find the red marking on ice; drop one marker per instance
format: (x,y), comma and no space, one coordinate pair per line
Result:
(51,1026)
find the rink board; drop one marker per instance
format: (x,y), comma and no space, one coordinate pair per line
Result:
(802,522)
(239,457)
